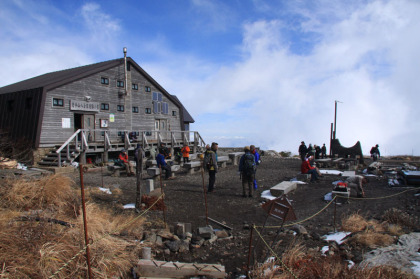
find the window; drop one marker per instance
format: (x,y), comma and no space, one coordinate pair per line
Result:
(157,96)
(148,110)
(136,109)
(135,86)
(104,106)
(174,113)
(120,107)
(165,108)
(104,80)
(120,133)
(147,89)
(58,102)
(156,107)
(148,133)
(120,83)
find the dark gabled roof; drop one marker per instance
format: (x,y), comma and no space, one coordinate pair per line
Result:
(185,113)
(55,79)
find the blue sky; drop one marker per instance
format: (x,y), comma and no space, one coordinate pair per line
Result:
(249,72)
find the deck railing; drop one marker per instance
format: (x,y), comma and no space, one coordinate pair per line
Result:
(82,139)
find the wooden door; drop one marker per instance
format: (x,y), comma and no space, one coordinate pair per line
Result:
(88,123)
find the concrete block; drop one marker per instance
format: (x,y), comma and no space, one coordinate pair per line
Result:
(149,186)
(348,173)
(193,164)
(179,229)
(283,188)
(175,168)
(205,232)
(235,157)
(187,227)
(153,171)
(303,177)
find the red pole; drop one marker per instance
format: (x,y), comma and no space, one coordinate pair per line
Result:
(82,188)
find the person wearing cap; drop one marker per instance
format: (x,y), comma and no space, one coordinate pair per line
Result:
(123,160)
(374,152)
(161,163)
(247,171)
(210,164)
(302,150)
(356,183)
(306,168)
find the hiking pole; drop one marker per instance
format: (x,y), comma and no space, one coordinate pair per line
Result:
(205,194)
(163,194)
(82,189)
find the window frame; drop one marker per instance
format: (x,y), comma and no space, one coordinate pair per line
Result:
(57,105)
(135,109)
(120,108)
(135,86)
(105,81)
(147,89)
(105,105)
(148,110)
(120,83)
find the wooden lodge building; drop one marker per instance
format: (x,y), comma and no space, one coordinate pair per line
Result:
(68,114)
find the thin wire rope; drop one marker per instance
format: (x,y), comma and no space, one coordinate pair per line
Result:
(274,253)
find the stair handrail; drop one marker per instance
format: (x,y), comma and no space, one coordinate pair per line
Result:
(65,144)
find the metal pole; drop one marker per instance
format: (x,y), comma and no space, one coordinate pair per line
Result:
(82,188)
(250,249)
(163,194)
(331,136)
(205,194)
(335,120)
(139,169)
(335,212)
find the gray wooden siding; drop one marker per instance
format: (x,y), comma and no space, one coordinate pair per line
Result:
(52,131)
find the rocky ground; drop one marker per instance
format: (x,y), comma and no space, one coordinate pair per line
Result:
(185,203)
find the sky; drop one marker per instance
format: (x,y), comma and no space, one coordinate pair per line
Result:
(260,72)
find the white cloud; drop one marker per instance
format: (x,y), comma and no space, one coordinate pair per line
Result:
(363,59)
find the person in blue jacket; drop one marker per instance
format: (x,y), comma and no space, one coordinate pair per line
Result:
(161,163)
(257,162)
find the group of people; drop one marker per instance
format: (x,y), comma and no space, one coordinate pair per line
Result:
(316,151)
(247,168)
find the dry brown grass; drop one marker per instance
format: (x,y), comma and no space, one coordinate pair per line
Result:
(399,217)
(369,233)
(297,263)
(37,249)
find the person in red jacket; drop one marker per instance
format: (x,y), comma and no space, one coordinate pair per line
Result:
(123,159)
(186,153)
(306,168)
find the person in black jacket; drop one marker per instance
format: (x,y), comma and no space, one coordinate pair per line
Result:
(374,152)
(302,150)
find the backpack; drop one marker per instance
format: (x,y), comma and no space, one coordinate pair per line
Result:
(248,166)
(208,159)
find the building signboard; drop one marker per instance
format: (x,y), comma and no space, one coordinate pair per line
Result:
(84,106)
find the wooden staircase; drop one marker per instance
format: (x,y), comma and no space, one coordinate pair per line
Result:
(51,159)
